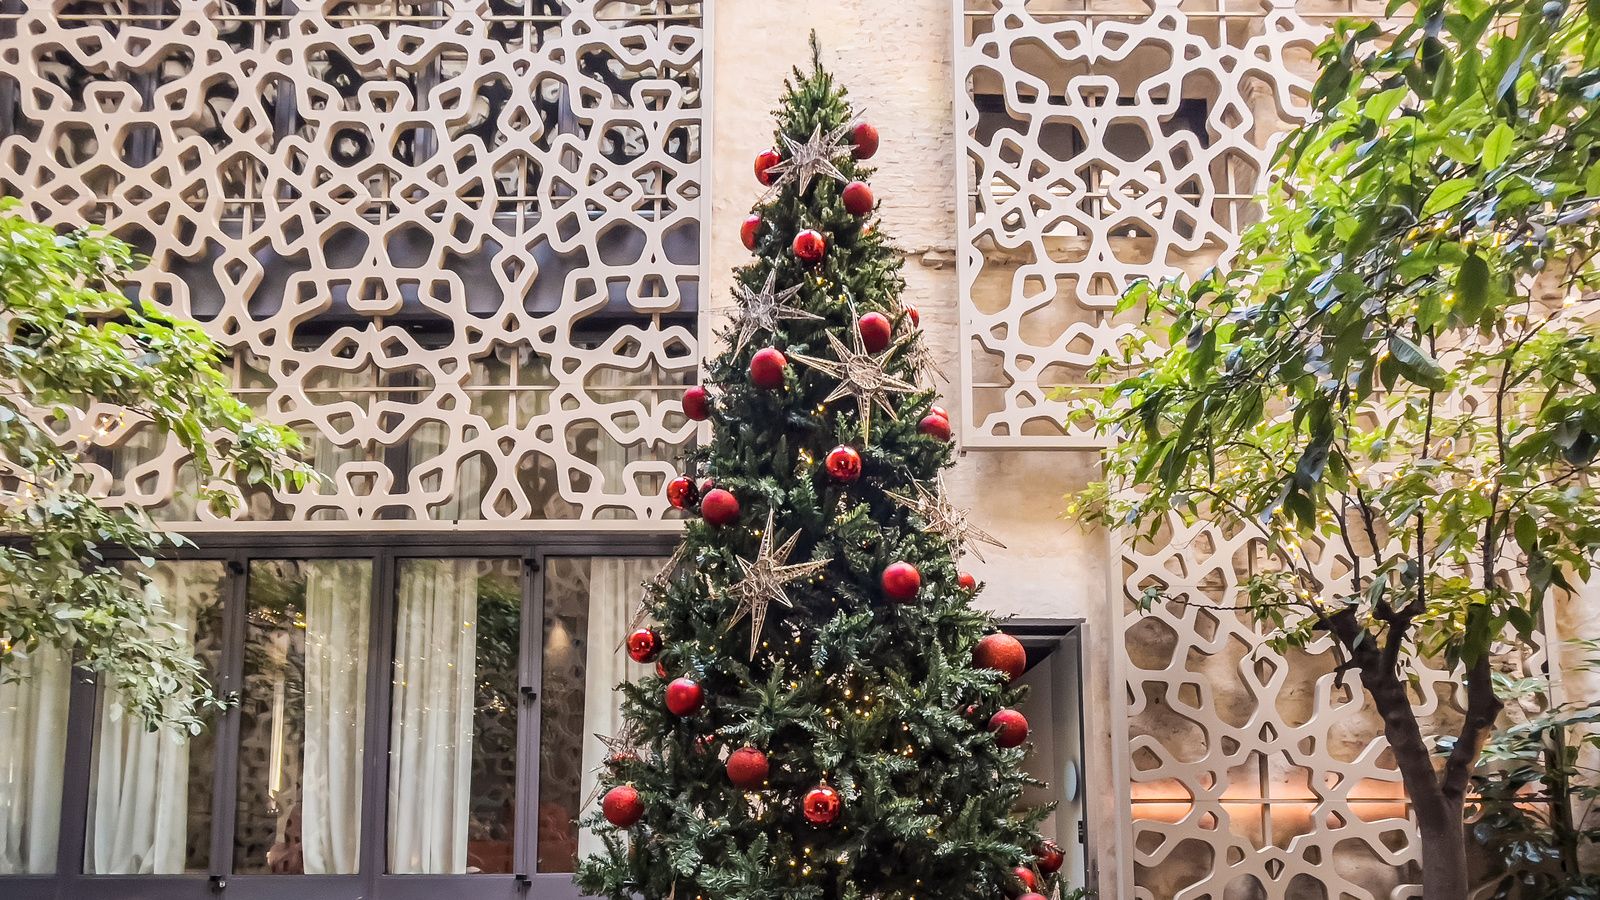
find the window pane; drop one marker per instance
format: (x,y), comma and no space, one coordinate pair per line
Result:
(588,604)
(453,738)
(150,791)
(33,739)
(302,716)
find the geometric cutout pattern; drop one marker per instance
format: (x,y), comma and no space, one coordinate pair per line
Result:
(1101,142)
(456,244)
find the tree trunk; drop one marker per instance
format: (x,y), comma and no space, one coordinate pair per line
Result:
(1443,843)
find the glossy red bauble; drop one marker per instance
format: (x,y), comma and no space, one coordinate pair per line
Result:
(857,198)
(1050,857)
(766,368)
(622,806)
(749,230)
(911,312)
(809,245)
(1032,896)
(935,426)
(937,410)
(875,331)
(765,160)
(865,138)
(697,403)
(683,696)
(747,768)
(644,645)
(1000,652)
(843,464)
(1026,876)
(822,805)
(1010,728)
(967,581)
(901,581)
(719,507)
(681,493)
(661,669)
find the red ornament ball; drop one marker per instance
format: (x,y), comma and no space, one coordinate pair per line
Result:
(865,138)
(916,317)
(967,581)
(843,464)
(749,229)
(857,198)
(1033,896)
(822,805)
(681,493)
(901,581)
(661,669)
(644,645)
(622,806)
(766,368)
(697,403)
(765,160)
(1000,652)
(1050,857)
(704,744)
(1026,876)
(937,410)
(747,768)
(706,484)
(809,245)
(935,426)
(875,331)
(719,507)
(1010,728)
(684,696)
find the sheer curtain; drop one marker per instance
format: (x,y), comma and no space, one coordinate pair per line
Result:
(139,796)
(430,748)
(33,737)
(614,589)
(336,644)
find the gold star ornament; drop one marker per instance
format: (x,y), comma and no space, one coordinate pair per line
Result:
(764,580)
(862,376)
(943,519)
(815,158)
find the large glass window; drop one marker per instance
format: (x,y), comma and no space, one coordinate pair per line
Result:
(381,725)
(453,726)
(150,791)
(302,717)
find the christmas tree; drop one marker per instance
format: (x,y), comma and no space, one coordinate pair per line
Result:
(830,715)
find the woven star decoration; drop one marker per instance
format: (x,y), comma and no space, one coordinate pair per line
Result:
(656,583)
(862,376)
(920,359)
(812,159)
(623,745)
(761,310)
(945,520)
(764,580)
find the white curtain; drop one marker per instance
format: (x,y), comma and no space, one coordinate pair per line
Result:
(614,591)
(337,594)
(33,733)
(430,749)
(139,795)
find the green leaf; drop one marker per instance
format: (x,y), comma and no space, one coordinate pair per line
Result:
(1448,194)
(1497,146)
(1414,363)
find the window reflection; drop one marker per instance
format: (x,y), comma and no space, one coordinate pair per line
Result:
(453,735)
(588,605)
(150,791)
(301,716)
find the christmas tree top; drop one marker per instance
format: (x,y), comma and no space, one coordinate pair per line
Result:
(830,715)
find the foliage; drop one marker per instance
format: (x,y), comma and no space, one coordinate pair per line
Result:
(1535,793)
(1396,365)
(75,342)
(878,699)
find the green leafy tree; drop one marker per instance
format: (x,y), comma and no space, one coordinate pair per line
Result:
(1396,367)
(842,693)
(73,341)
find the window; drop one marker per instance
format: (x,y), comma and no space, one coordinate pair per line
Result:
(397,720)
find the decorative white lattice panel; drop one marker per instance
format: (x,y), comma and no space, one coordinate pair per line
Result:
(457,244)
(1102,141)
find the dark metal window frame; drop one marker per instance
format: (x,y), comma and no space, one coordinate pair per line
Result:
(372,882)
